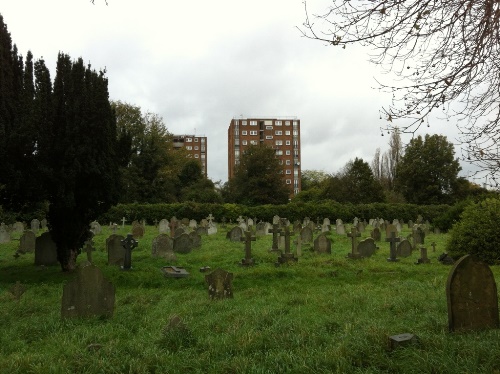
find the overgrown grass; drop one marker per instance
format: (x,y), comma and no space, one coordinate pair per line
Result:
(324,314)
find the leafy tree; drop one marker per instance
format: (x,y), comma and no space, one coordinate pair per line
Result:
(195,186)
(428,171)
(312,178)
(354,184)
(258,179)
(444,55)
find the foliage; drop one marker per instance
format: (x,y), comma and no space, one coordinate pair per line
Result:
(258,179)
(354,184)
(312,179)
(444,55)
(385,166)
(477,232)
(428,171)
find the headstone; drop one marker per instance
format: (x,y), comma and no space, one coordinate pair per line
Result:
(90,294)
(248,238)
(43,223)
(193,224)
(389,229)
(471,294)
(375,234)
(183,244)
(340,229)
(45,250)
(354,235)
(297,227)
(212,229)
(367,247)
(185,222)
(260,229)
(202,230)
(306,234)
(18,227)
(129,243)
(195,239)
(276,232)
(287,256)
(115,250)
(423,256)
(27,242)
(298,245)
(4,234)
(35,225)
(322,244)
(163,226)
(401,340)
(219,284)
(210,219)
(235,234)
(418,235)
(205,223)
(137,231)
(162,246)
(174,272)
(174,224)
(95,227)
(88,247)
(404,249)
(393,251)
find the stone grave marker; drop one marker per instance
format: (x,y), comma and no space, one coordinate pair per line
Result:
(404,249)
(287,256)
(322,244)
(128,244)
(298,245)
(35,225)
(393,239)
(193,224)
(423,256)
(248,238)
(183,244)
(45,250)
(202,230)
(389,229)
(212,229)
(162,245)
(195,239)
(27,242)
(137,231)
(354,235)
(18,227)
(88,247)
(219,284)
(4,234)
(260,229)
(174,272)
(418,235)
(276,231)
(89,295)
(367,247)
(43,223)
(235,234)
(115,250)
(95,227)
(445,259)
(174,224)
(163,226)
(340,228)
(306,234)
(375,234)
(471,294)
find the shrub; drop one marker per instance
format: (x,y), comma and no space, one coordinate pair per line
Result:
(477,232)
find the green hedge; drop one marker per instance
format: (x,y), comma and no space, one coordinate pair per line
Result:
(292,211)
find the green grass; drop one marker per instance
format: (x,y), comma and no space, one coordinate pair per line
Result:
(324,314)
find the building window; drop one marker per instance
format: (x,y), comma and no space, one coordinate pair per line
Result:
(288,142)
(203,140)
(253,123)
(287,132)
(296,183)
(288,181)
(295,123)
(288,162)
(196,156)
(279,152)
(296,172)
(243,123)
(268,137)
(189,140)
(295,132)
(253,132)
(287,123)
(277,123)
(237,153)
(278,132)
(196,140)
(189,148)
(243,133)
(244,142)
(203,156)
(195,147)
(288,152)
(253,142)
(203,148)
(279,142)
(288,172)
(296,153)
(269,127)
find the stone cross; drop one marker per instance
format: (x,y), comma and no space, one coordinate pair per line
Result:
(287,256)
(275,231)
(354,245)
(210,219)
(123,222)
(423,256)
(298,243)
(248,239)
(114,228)
(128,244)
(240,220)
(393,240)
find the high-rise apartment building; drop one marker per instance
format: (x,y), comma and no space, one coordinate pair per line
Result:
(196,147)
(281,133)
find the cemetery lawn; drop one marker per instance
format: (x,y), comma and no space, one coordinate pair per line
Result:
(324,314)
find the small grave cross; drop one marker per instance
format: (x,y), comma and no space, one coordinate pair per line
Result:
(248,239)
(354,245)
(393,240)
(123,222)
(210,219)
(287,256)
(128,244)
(423,256)
(275,231)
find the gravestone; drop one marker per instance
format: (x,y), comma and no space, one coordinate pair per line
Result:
(4,234)
(248,238)
(393,251)
(88,247)
(389,229)
(174,272)
(174,224)
(202,230)
(163,226)
(162,245)
(297,227)
(260,229)
(235,234)
(179,231)
(35,225)
(43,223)
(340,229)
(183,244)
(45,250)
(205,223)
(404,249)
(298,246)
(212,229)
(375,234)
(95,227)
(185,222)
(367,247)
(137,231)
(423,257)
(306,234)
(115,250)
(18,227)
(89,295)
(195,239)
(354,234)
(27,242)
(194,225)
(276,232)
(287,256)
(322,244)
(418,235)
(219,284)
(471,294)
(128,244)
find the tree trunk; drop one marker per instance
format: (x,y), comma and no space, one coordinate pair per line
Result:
(67,259)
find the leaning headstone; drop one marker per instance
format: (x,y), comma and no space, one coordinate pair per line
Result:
(306,234)
(183,244)
(89,295)
(162,245)
(115,250)
(471,294)
(179,231)
(45,250)
(219,284)
(235,234)
(404,249)
(4,233)
(367,247)
(322,244)
(27,242)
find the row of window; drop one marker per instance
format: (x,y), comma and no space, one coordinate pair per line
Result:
(190,140)
(197,156)
(279,152)
(190,148)
(276,123)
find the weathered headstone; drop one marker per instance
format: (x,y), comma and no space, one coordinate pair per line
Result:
(471,294)
(322,244)
(248,238)
(183,244)
(354,235)
(389,229)
(163,226)
(393,251)
(115,249)
(27,242)
(90,294)
(129,243)
(423,256)
(340,228)
(137,231)
(287,256)
(4,233)
(43,223)
(404,249)
(276,232)
(306,234)
(174,224)
(235,234)
(162,245)
(375,234)
(45,250)
(202,230)
(195,239)
(95,227)
(18,227)
(367,247)
(193,224)
(35,225)
(219,284)
(260,229)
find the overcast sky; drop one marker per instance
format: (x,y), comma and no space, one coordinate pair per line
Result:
(199,63)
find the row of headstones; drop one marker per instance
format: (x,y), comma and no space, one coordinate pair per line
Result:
(19,227)
(471,294)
